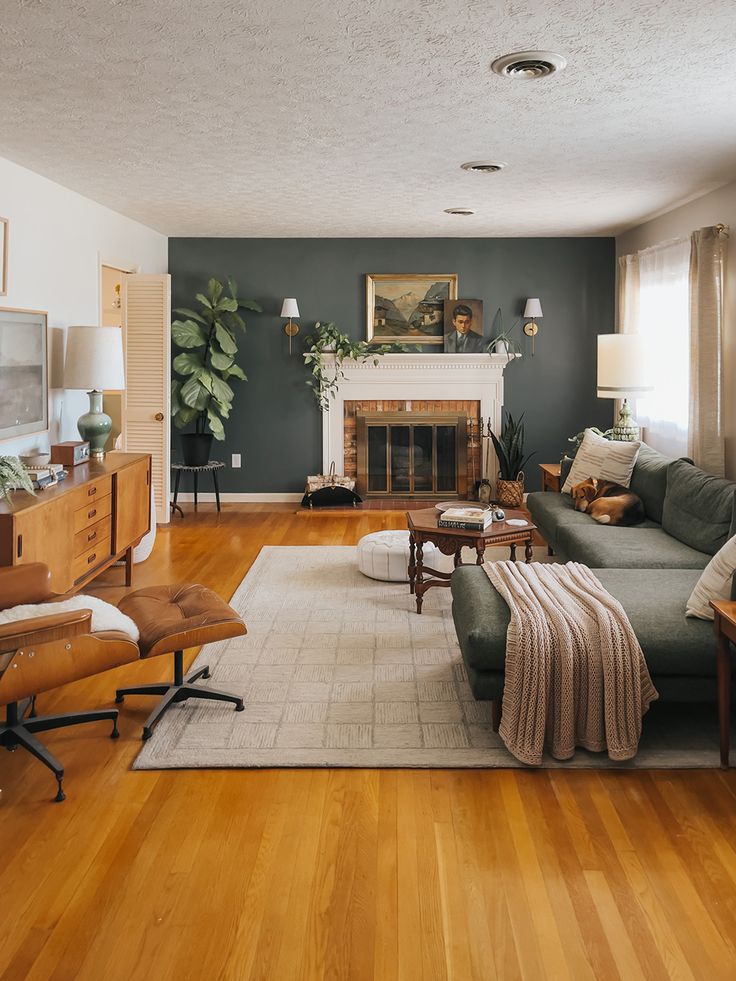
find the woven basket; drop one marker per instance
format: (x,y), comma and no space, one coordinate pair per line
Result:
(510,493)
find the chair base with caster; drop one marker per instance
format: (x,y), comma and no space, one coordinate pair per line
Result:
(172,619)
(17,731)
(180,690)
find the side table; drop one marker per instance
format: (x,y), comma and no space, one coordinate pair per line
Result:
(212,467)
(724,625)
(550,476)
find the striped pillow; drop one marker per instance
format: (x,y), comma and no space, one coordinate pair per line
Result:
(715,582)
(607,459)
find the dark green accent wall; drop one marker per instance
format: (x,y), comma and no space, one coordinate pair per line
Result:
(276,424)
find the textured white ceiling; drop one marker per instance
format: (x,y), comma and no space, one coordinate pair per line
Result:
(351,118)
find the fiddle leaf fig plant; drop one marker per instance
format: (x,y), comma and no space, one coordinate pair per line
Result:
(327,338)
(206,366)
(13,476)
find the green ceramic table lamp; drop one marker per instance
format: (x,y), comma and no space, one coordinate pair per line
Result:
(94,362)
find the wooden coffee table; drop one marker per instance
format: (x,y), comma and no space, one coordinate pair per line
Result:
(451,541)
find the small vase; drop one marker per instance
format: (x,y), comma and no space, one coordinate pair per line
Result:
(501,347)
(94,426)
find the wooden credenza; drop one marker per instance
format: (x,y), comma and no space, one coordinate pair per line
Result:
(81,526)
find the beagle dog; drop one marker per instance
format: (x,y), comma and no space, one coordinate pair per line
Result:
(608,503)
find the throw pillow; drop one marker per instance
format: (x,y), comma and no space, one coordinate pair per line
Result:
(105,616)
(715,582)
(606,459)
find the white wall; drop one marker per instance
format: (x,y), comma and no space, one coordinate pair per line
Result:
(711,209)
(57,240)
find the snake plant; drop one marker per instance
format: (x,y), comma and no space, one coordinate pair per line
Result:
(510,447)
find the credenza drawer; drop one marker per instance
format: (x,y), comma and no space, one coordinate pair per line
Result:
(92,491)
(91,513)
(91,558)
(89,537)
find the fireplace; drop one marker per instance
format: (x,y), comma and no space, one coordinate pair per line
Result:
(411,454)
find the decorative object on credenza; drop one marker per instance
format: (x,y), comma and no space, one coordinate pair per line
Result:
(290,309)
(24,392)
(4,237)
(94,362)
(207,365)
(330,490)
(328,339)
(623,361)
(408,307)
(71,453)
(463,321)
(532,313)
(511,461)
(502,342)
(13,476)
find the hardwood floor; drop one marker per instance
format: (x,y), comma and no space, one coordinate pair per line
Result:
(344,874)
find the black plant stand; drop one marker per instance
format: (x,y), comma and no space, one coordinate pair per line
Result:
(212,467)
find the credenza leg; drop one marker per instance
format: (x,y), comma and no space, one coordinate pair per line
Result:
(129,567)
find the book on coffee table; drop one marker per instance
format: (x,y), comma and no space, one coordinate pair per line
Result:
(466,519)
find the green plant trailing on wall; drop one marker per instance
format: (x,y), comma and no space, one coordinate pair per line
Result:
(510,448)
(329,339)
(207,364)
(13,476)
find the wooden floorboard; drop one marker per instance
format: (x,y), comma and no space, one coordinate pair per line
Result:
(346,874)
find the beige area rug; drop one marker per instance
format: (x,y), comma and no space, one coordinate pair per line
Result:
(338,670)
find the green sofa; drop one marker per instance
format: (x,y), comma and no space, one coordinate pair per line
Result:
(650,568)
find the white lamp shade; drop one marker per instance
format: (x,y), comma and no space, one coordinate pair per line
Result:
(289,307)
(533,308)
(623,362)
(94,359)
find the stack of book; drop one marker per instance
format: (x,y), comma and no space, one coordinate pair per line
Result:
(466,519)
(42,477)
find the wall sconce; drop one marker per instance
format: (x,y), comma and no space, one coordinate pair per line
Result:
(532,311)
(290,309)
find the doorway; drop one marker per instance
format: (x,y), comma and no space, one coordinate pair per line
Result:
(112,314)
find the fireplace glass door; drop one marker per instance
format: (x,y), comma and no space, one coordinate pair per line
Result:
(411,454)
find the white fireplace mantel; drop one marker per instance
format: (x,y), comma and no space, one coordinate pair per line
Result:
(410,377)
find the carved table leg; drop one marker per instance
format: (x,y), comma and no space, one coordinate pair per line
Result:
(419,581)
(480,548)
(528,552)
(512,549)
(458,557)
(412,563)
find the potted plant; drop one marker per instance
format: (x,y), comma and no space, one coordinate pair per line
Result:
(327,338)
(502,342)
(206,365)
(13,476)
(511,461)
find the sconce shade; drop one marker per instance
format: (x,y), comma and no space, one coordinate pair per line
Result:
(289,307)
(623,361)
(94,359)
(533,308)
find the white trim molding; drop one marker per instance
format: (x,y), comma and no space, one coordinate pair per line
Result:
(249,498)
(409,377)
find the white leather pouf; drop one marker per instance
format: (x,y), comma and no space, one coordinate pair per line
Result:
(384,555)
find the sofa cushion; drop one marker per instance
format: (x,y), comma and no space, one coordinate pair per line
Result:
(698,508)
(649,480)
(654,602)
(607,547)
(606,459)
(550,510)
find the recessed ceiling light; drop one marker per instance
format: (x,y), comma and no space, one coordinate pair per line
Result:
(459,211)
(483,166)
(529,64)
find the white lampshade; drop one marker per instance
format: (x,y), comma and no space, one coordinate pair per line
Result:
(623,362)
(289,307)
(94,359)
(533,308)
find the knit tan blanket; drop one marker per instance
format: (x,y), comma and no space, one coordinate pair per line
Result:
(575,673)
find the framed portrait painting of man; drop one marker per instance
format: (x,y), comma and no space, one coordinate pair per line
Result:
(407,308)
(463,320)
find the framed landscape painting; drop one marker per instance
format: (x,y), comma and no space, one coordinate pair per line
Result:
(24,402)
(408,308)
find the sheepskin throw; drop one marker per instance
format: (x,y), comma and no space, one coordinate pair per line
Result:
(105,616)
(575,673)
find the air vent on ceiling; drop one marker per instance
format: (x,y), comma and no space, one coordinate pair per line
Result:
(529,64)
(483,166)
(459,211)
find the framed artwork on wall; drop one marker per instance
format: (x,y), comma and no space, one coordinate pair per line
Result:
(463,321)
(4,234)
(407,308)
(24,387)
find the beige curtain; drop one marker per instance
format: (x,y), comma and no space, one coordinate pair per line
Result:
(628,294)
(705,425)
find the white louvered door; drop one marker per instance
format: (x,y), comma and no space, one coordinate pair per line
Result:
(147,373)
